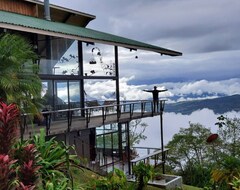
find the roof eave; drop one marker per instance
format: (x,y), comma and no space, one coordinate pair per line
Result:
(40,26)
(91,40)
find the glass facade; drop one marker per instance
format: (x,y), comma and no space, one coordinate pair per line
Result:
(65,74)
(111,145)
(59,58)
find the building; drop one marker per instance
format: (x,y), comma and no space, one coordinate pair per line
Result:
(69,56)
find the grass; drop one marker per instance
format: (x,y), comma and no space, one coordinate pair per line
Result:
(187,187)
(81,177)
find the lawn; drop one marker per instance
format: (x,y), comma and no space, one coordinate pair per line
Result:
(187,187)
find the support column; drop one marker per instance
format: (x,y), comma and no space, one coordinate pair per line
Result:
(129,150)
(117,78)
(80,68)
(161,133)
(120,148)
(112,147)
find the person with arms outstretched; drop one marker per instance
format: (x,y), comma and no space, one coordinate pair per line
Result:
(155,97)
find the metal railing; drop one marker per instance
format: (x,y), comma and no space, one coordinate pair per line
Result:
(128,108)
(154,156)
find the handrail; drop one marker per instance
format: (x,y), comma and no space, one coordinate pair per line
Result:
(138,159)
(151,156)
(129,107)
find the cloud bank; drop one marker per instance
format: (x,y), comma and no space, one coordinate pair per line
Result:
(173,122)
(181,90)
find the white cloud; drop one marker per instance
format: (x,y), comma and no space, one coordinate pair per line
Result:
(104,90)
(173,122)
(204,87)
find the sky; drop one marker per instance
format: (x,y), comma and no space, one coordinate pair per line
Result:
(206,32)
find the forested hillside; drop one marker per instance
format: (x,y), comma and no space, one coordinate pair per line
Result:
(218,105)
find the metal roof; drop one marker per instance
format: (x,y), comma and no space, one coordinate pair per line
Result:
(39,26)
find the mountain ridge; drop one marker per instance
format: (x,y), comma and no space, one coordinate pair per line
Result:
(218,105)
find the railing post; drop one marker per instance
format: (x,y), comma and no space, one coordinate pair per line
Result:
(47,117)
(152,107)
(124,106)
(131,112)
(103,115)
(129,150)
(142,108)
(69,119)
(118,112)
(88,116)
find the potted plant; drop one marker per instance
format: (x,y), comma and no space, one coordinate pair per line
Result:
(143,173)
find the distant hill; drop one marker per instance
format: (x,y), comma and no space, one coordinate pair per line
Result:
(218,105)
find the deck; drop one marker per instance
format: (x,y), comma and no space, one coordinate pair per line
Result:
(68,120)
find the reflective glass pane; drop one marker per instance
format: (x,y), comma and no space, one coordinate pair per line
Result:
(74,93)
(61,95)
(60,59)
(99,60)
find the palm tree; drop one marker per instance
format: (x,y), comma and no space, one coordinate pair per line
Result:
(19,82)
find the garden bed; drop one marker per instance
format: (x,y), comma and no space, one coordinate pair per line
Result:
(167,182)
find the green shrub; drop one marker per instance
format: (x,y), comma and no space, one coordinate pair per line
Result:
(143,173)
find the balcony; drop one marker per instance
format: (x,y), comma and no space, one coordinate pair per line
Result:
(70,120)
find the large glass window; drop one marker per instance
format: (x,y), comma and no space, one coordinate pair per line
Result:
(61,94)
(108,144)
(59,56)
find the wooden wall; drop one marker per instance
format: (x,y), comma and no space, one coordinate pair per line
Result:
(19,6)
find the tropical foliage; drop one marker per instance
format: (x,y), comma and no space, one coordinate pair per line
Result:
(32,164)
(55,161)
(115,180)
(189,147)
(143,173)
(213,164)
(229,133)
(19,82)
(18,167)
